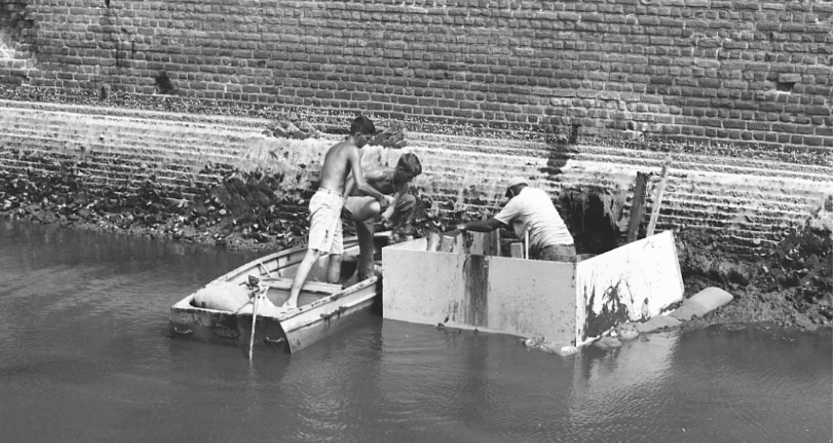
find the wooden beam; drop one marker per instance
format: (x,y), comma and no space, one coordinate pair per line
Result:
(516,249)
(658,200)
(637,206)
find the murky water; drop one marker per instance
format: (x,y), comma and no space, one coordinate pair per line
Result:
(85,357)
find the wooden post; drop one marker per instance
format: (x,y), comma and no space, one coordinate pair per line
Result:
(516,249)
(447,243)
(433,241)
(637,205)
(658,200)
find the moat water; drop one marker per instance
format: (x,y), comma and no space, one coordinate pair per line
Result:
(85,356)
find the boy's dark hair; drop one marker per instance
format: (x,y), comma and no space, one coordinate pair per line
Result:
(362,125)
(410,162)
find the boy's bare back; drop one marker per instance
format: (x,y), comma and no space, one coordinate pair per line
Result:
(338,163)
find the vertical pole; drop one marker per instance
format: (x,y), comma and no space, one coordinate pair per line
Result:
(658,200)
(637,206)
(254,321)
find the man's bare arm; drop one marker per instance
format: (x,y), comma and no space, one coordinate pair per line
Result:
(360,183)
(480,225)
(386,216)
(349,184)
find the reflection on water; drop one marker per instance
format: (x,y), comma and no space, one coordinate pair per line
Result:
(84,356)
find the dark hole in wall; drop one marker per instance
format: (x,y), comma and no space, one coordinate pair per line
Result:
(591,218)
(164,84)
(784,86)
(574,133)
(107,3)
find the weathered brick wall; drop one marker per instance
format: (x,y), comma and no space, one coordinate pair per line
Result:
(15,61)
(728,71)
(744,201)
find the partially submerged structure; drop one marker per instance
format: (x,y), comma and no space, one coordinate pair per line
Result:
(463,282)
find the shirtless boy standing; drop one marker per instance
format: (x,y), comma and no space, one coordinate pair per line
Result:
(325,235)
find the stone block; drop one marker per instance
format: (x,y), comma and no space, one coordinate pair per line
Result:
(710,298)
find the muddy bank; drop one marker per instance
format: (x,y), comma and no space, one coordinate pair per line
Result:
(790,283)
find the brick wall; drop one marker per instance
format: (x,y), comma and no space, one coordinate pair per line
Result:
(748,73)
(746,202)
(15,60)
(577,95)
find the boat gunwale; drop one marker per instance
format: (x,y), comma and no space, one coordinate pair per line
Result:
(350,243)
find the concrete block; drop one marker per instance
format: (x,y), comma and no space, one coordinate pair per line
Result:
(710,298)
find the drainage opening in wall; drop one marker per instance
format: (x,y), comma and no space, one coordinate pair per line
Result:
(784,86)
(164,84)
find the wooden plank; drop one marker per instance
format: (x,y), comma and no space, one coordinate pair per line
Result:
(637,206)
(309,286)
(433,241)
(447,243)
(658,200)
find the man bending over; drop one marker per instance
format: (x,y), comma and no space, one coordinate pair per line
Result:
(531,211)
(365,210)
(325,235)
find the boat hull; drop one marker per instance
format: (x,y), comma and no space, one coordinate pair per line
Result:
(327,310)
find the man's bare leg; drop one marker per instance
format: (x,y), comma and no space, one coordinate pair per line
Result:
(365,211)
(301,274)
(334,268)
(364,231)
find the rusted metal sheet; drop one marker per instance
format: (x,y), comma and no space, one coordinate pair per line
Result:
(631,283)
(563,303)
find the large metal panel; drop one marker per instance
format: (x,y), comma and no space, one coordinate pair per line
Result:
(631,283)
(487,293)
(533,298)
(420,286)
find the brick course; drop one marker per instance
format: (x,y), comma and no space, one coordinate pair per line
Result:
(745,201)
(745,87)
(611,67)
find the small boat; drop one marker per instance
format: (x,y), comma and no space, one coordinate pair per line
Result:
(323,308)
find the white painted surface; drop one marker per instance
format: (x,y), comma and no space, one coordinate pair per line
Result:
(645,274)
(518,297)
(533,298)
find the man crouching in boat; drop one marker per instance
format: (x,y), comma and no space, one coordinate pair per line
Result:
(365,211)
(325,235)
